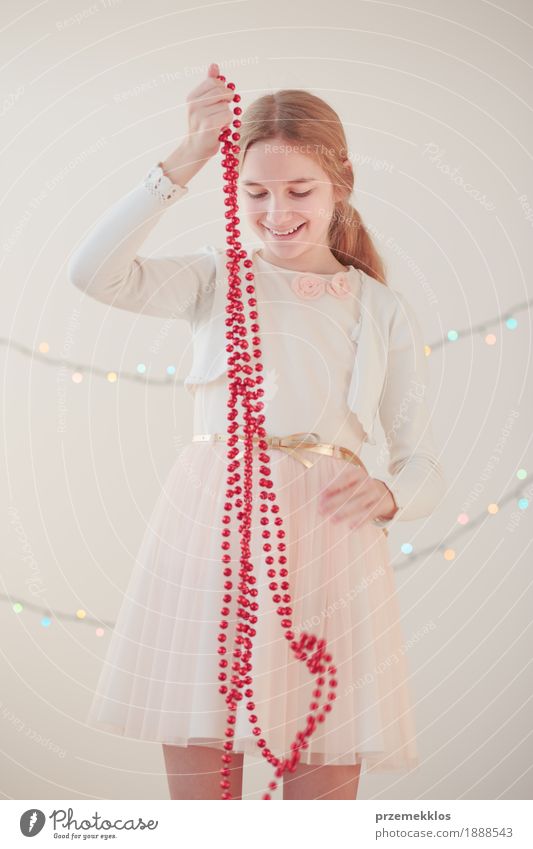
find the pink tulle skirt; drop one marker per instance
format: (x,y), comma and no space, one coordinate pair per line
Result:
(159,680)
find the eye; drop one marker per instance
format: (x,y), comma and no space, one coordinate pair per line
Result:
(294,194)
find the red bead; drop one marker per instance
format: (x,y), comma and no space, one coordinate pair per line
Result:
(245,382)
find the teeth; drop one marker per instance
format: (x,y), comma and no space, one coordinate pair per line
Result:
(285,233)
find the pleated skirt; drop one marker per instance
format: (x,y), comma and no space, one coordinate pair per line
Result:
(160,676)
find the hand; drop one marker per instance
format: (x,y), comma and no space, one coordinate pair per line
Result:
(209,112)
(357,498)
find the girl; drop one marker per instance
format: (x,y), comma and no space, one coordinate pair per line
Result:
(339,348)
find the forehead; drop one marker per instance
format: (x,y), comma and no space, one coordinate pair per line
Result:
(279,162)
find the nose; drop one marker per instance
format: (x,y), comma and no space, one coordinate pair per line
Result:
(277,214)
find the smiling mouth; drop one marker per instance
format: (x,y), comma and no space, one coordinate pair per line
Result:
(284,235)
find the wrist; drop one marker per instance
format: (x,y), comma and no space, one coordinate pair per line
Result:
(390,508)
(183,163)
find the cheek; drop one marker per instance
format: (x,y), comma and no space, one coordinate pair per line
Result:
(319,213)
(250,211)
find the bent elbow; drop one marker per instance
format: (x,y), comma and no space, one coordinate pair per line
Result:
(96,282)
(77,271)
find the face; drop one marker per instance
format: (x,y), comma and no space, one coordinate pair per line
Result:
(288,201)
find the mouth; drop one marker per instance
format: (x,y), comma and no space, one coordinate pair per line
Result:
(284,235)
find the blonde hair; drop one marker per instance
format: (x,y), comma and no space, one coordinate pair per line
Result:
(297,116)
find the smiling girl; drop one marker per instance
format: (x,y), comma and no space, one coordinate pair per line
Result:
(340,350)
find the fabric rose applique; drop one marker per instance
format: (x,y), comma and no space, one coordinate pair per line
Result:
(311,286)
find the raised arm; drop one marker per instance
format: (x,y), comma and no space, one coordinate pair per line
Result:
(416,477)
(107,266)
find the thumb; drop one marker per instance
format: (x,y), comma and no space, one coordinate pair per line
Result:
(213,70)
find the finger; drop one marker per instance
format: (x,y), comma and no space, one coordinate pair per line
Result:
(357,503)
(332,498)
(336,508)
(215,98)
(211,86)
(341,514)
(217,111)
(344,480)
(359,514)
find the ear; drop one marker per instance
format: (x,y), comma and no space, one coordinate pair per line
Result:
(339,192)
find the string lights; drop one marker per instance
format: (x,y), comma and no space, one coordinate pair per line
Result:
(78,370)
(447,547)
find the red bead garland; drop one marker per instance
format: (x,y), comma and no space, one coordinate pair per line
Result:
(308,648)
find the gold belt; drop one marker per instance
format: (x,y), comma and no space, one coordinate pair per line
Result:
(289,444)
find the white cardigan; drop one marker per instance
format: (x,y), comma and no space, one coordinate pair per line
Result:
(390,370)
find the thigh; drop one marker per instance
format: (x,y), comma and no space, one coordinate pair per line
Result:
(193,772)
(322,782)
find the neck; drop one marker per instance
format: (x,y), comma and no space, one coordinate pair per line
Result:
(313,261)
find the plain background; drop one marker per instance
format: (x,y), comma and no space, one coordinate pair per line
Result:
(436,101)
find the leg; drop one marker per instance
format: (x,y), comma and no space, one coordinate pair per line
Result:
(322,782)
(193,772)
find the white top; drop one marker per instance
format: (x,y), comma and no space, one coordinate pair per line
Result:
(307,352)
(337,363)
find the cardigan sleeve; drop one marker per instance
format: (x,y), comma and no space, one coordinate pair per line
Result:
(415,475)
(106,265)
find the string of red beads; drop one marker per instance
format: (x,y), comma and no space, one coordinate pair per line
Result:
(307,648)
